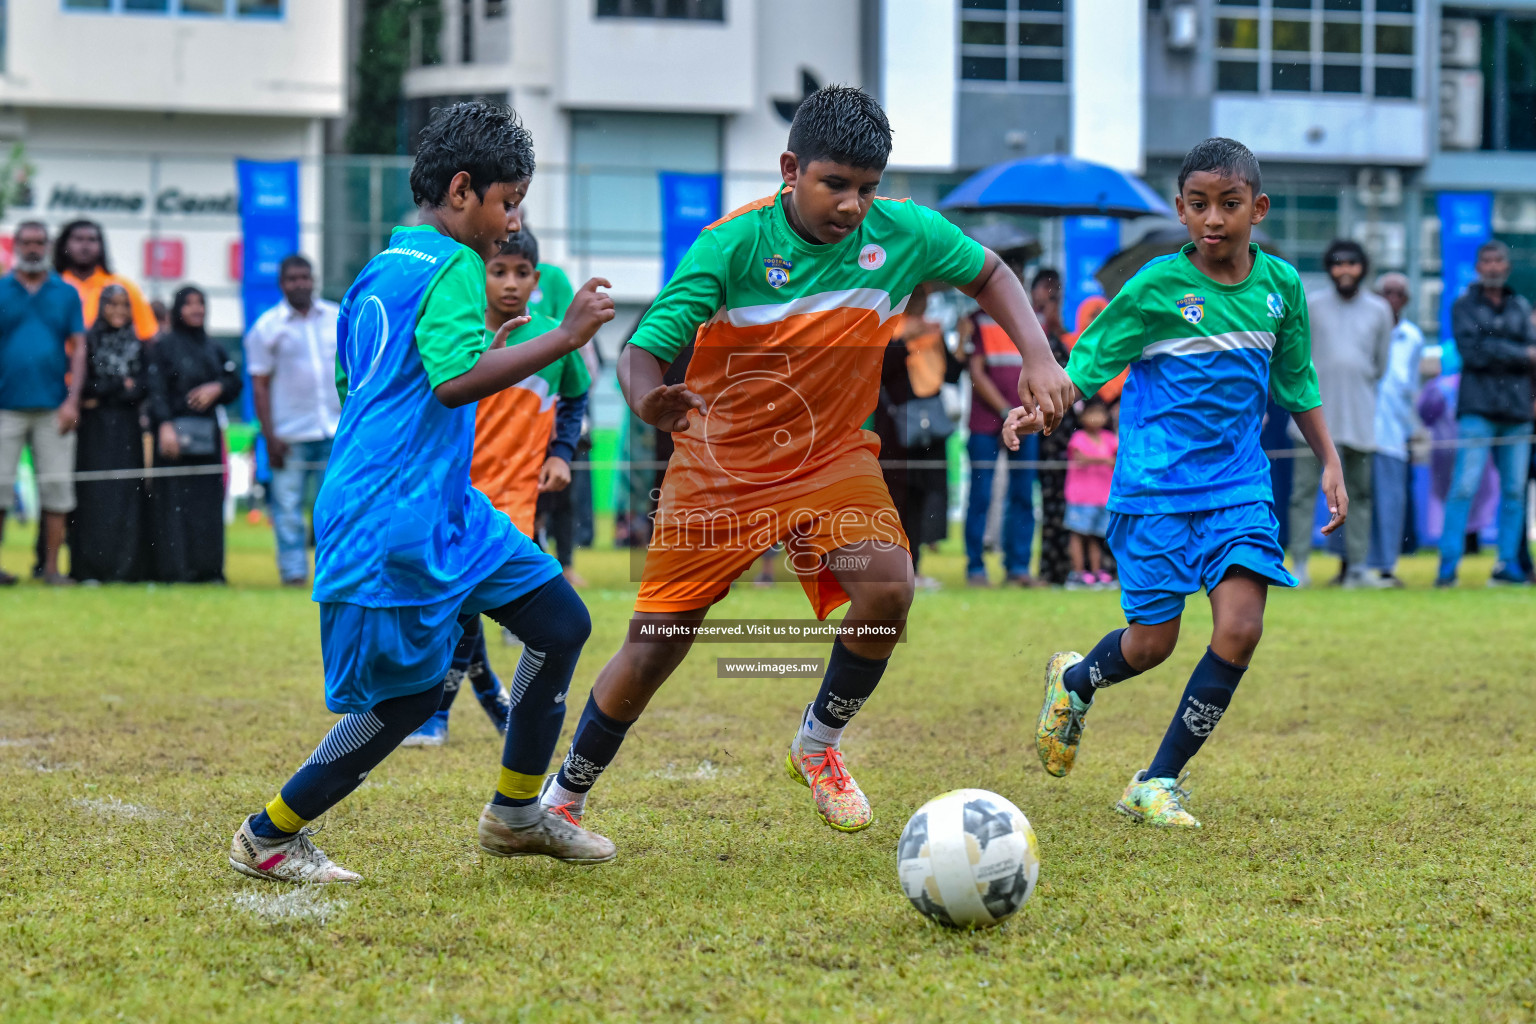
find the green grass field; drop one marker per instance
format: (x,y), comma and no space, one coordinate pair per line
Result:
(1369,809)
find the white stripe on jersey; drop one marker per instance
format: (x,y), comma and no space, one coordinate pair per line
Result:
(877,300)
(1200,344)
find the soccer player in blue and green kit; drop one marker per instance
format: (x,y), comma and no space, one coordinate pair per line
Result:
(404,544)
(1207,333)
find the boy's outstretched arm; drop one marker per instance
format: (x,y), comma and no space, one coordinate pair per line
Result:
(1312,427)
(500,367)
(663,406)
(1045,391)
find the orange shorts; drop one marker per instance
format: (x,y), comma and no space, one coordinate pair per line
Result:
(694,556)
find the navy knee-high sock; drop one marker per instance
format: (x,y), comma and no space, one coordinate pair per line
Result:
(553,624)
(1205,699)
(593,748)
(354,747)
(1103,666)
(849,681)
(471,663)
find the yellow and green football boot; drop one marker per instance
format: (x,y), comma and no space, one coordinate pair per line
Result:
(1061,717)
(1157,802)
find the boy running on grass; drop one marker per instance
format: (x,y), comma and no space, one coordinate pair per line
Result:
(791,301)
(1206,332)
(525,438)
(404,544)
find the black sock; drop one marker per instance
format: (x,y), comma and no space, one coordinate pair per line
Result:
(354,747)
(847,684)
(553,624)
(1205,699)
(1103,666)
(597,741)
(463,658)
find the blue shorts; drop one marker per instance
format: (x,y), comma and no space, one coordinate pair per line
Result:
(373,654)
(1164,558)
(1088,520)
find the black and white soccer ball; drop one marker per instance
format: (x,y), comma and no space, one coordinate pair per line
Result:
(968,859)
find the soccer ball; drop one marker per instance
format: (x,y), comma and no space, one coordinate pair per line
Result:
(968,859)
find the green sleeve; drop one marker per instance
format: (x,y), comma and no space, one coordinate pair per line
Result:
(695,293)
(1292,377)
(951,256)
(450,328)
(1114,340)
(555,291)
(574,378)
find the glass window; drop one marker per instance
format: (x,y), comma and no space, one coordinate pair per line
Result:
(259,8)
(985,5)
(495,9)
(1341,78)
(1237,76)
(1341,37)
(984,33)
(1238,3)
(147,6)
(87,5)
(1041,69)
(1394,83)
(687,10)
(1292,36)
(1237,33)
(1342,5)
(204,7)
(1293,5)
(1394,6)
(1395,39)
(1034,33)
(1286,77)
(994,69)
(1053,6)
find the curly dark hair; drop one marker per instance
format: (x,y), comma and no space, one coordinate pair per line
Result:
(60,261)
(842,124)
(484,139)
(1227,156)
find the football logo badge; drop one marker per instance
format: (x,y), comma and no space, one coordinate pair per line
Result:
(1276,305)
(872,257)
(778,269)
(1192,308)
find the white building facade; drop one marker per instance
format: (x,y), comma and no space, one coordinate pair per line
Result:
(143,135)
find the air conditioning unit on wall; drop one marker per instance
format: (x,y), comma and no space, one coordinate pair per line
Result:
(1461,109)
(1461,43)
(1514,215)
(1379,186)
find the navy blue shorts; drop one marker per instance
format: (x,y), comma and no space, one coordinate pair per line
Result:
(373,654)
(1164,558)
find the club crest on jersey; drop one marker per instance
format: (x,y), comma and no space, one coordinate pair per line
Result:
(872,257)
(1192,308)
(778,269)
(1276,306)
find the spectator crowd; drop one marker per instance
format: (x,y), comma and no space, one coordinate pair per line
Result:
(120,404)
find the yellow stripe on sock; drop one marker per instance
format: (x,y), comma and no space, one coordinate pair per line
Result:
(282,815)
(516,785)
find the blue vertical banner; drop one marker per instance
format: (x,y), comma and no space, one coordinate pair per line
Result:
(689,204)
(1466,222)
(269,229)
(1087,242)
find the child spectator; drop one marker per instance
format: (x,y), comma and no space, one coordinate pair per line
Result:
(1090,467)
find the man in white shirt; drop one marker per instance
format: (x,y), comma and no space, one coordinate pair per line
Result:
(290,353)
(1395,422)
(1351,335)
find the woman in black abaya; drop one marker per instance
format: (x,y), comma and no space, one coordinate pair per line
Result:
(106,528)
(190,376)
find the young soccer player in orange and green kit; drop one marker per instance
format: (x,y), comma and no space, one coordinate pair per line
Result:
(791,301)
(525,439)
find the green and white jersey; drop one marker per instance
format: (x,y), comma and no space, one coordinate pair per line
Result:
(1203,357)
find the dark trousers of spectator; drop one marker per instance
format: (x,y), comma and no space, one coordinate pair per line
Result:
(1357,484)
(1390,484)
(1018,533)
